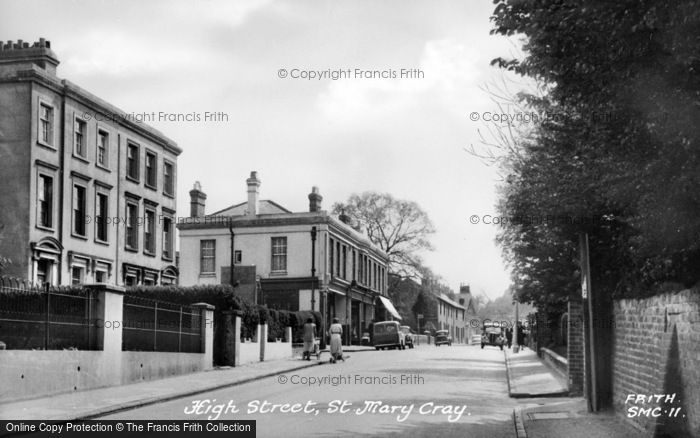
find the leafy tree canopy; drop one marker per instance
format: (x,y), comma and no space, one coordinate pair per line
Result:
(399,227)
(618,155)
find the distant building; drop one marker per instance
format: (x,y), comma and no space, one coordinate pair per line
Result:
(272,254)
(457,317)
(88,195)
(471,320)
(451,316)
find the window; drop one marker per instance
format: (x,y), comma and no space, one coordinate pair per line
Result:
(100,277)
(337,259)
(167,238)
(359,269)
(279,254)
(207,256)
(46,124)
(102,148)
(237,256)
(45,194)
(43,271)
(131,280)
(151,169)
(132,215)
(79,148)
(331,255)
(354,265)
(79,209)
(344,264)
(150,280)
(132,161)
(149,232)
(76,275)
(168,178)
(101,215)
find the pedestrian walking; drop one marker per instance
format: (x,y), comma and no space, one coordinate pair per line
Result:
(336,331)
(309,338)
(509,336)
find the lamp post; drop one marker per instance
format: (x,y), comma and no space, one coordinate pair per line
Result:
(233,256)
(348,311)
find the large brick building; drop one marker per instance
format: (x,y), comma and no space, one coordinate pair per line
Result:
(346,278)
(87,194)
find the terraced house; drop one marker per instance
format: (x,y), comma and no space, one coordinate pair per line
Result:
(88,195)
(287,260)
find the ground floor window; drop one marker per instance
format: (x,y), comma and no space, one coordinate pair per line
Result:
(44,269)
(77,273)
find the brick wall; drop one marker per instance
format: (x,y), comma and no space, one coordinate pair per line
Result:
(657,351)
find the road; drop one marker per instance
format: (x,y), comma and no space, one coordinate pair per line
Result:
(457,391)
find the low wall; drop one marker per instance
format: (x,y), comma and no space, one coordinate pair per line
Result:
(30,373)
(656,351)
(556,362)
(278,350)
(249,352)
(140,366)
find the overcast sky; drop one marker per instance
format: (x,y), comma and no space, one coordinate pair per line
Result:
(401,136)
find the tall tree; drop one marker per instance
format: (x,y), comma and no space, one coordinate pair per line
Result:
(399,227)
(619,153)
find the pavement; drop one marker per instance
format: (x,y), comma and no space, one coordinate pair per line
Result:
(529,377)
(98,402)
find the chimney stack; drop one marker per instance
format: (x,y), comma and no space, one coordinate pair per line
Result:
(197,200)
(253,194)
(21,55)
(344,218)
(315,199)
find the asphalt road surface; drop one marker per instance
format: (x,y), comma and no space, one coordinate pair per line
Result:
(457,391)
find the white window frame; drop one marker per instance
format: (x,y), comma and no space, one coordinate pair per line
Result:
(83,135)
(50,141)
(278,250)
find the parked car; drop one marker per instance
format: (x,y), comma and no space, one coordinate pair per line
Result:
(442,337)
(408,335)
(492,334)
(388,334)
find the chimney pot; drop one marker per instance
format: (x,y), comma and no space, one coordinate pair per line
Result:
(197,200)
(315,199)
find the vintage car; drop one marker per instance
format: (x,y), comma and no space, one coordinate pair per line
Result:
(408,335)
(492,334)
(442,337)
(388,334)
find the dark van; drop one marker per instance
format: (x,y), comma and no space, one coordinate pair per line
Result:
(388,334)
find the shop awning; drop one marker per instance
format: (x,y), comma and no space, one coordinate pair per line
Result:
(390,307)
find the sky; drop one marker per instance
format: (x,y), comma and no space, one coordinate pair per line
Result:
(249,61)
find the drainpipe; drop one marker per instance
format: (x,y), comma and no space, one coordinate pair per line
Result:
(233,257)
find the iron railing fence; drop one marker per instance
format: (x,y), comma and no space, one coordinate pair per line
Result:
(45,317)
(151,325)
